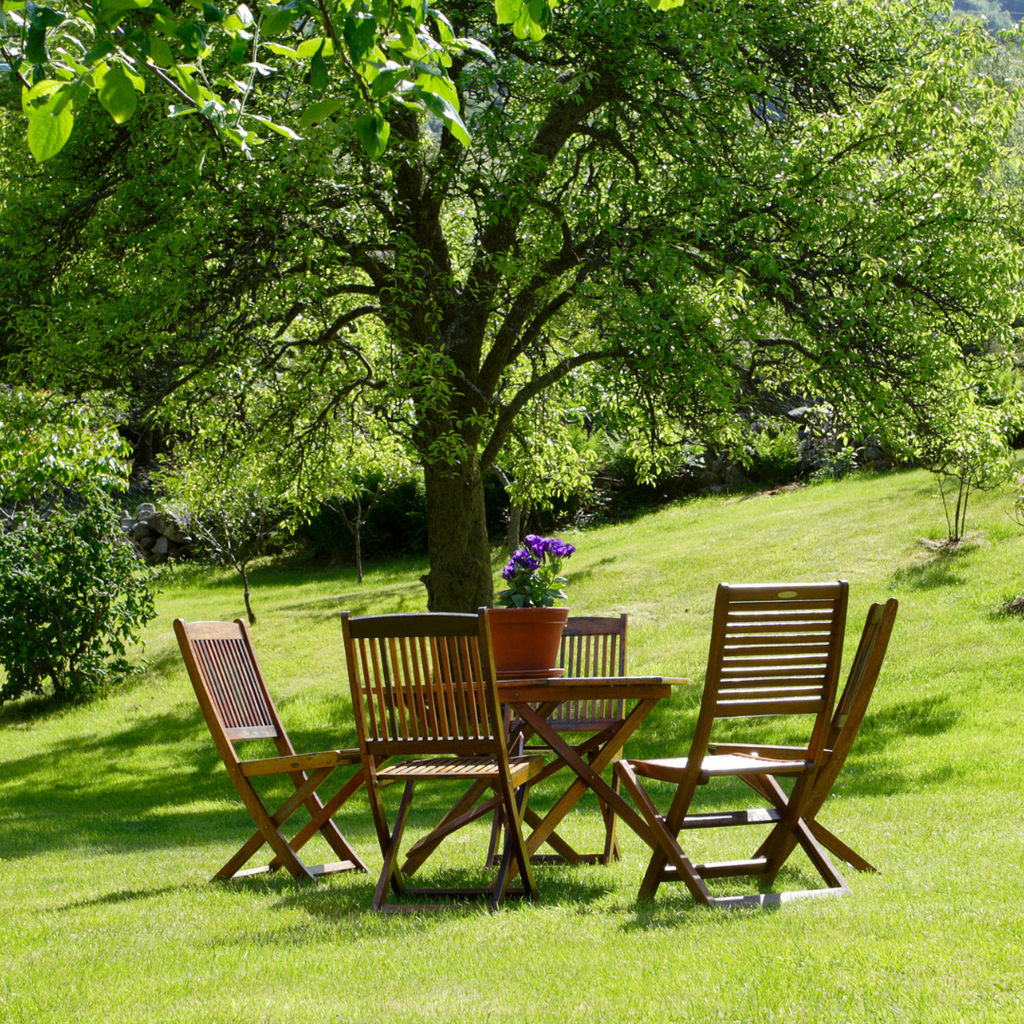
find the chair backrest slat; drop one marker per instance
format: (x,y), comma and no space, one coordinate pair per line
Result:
(423,683)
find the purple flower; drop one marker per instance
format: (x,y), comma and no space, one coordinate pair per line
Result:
(532,573)
(525,559)
(538,545)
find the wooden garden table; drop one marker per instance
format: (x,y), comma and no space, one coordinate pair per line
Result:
(530,701)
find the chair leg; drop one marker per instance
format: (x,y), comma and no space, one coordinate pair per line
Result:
(322,821)
(269,828)
(492,845)
(835,845)
(508,852)
(792,831)
(515,846)
(390,875)
(668,850)
(828,839)
(611,839)
(286,858)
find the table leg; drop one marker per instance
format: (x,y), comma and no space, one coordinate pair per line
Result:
(588,774)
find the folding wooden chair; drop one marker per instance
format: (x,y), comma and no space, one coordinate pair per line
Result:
(775,651)
(423,689)
(237,707)
(849,714)
(591,646)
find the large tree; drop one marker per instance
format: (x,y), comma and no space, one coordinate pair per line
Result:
(659,212)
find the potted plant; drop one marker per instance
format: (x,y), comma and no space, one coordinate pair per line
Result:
(526,628)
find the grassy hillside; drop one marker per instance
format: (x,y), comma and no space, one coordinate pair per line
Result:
(113,816)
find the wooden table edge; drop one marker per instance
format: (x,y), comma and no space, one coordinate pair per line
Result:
(513,691)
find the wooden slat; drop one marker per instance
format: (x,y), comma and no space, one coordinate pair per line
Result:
(768,706)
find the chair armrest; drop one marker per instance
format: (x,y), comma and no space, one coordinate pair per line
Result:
(299,762)
(765,750)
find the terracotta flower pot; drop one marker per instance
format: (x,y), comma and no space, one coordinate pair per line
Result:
(526,641)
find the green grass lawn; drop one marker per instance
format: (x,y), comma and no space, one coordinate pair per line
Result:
(114,816)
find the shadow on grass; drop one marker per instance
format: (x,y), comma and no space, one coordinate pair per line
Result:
(353,895)
(159,784)
(123,896)
(410,597)
(944,567)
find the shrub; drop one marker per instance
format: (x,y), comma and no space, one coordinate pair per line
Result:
(73,596)
(775,458)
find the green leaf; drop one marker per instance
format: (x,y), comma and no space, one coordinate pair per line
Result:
(442,108)
(281,129)
(360,34)
(191,89)
(474,46)
(318,44)
(282,51)
(373,132)
(48,132)
(98,52)
(384,84)
(212,14)
(117,95)
(43,17)
(193,36)
(507,10)
(46,87)
(277,19)
(319,112)
(444,27)
(318,71)
(35,46)
(159,52)
(438,84)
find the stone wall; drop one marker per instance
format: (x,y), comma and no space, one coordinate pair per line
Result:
(158,536)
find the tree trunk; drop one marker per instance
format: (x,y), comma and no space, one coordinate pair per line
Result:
(245,588)
(358,533)
(514,534)
(460,577)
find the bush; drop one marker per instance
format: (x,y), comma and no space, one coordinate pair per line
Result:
(775,459)
(73,596)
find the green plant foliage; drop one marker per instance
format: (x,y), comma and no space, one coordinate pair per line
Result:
(384,51)
(396,525)
(49,442)
(73,595)
(73,598)
(775,458)
(660,213)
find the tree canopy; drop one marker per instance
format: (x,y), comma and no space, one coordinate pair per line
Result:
(660,213)
(111,51)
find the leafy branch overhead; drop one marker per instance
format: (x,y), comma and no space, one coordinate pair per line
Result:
(360,59)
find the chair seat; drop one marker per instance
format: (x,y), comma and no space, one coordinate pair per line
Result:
(673,769)
(521,768)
